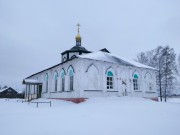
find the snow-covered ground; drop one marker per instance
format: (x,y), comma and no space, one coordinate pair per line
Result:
(97,116)
(174,100)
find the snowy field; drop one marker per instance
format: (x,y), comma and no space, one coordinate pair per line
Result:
(97,116)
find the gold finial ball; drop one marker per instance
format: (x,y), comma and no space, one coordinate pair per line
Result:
(78,37)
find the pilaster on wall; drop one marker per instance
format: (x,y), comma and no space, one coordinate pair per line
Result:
(130,81)
(142,82)
(80,78)
(50,83)
(119,85)
(117,80)
(104,81)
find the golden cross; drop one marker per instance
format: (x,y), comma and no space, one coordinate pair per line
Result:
(78,25)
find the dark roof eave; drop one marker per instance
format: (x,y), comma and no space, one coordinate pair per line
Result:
(31,83)
(75,51)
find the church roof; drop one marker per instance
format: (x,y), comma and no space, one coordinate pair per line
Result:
(103,56)
(109,57)
(104,50)
(77,49)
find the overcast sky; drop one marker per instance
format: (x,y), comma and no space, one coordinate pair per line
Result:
(33,33)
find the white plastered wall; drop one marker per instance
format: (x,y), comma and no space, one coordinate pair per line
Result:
(91,75)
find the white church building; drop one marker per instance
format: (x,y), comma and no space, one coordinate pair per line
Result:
(84,74)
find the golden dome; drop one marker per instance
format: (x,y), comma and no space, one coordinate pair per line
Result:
(78,37)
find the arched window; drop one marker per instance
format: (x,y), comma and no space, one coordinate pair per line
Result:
(46,82)
(55,81)
(110,80)
(71,77)
(136,82)
(62,80)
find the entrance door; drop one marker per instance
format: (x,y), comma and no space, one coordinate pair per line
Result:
(39,91)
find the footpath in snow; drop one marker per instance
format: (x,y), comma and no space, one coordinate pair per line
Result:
(96,116)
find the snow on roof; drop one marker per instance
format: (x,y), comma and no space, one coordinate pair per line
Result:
(109,57)
(1,90)
(31,81)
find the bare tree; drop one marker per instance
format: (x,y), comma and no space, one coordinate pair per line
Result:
(169,69)
(142,58)
(178,61)
(163,59)
(5,87)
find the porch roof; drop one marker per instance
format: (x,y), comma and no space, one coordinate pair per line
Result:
(31,82)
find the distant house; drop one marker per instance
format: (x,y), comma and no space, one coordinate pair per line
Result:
(8,92)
